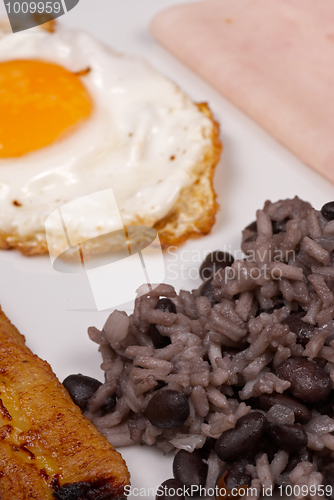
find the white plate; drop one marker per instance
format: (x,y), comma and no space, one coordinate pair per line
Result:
(53,310)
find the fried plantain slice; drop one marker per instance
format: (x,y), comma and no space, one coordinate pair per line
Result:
(48,449)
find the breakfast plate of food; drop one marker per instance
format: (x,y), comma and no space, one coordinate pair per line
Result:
(115,154)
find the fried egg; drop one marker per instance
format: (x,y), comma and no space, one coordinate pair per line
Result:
(77,118)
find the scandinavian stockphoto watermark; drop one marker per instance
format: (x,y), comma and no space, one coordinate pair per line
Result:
(261,264)
(113,258)
(25,14)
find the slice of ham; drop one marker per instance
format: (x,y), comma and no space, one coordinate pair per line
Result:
(272,58)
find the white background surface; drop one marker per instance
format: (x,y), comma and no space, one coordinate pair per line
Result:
(53,310)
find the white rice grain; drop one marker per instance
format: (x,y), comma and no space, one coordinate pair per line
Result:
(278,463)
(316,343)
(264,471)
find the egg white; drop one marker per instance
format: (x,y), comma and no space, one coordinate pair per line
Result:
(143,140)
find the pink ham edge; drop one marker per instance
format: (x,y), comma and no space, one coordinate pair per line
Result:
(272,58)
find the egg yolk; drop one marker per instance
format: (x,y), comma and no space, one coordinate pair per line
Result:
(40,102)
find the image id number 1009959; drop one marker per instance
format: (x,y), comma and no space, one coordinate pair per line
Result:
(25,14)
(47,7)
(298,491)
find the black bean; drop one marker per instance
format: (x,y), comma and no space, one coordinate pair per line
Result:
(81,388)
(302,414)
(309,382)
(287,437)
(160,385)
(109,404)
(171,489)
(327,210)
(189,468)
(264,446)
(253,228)
(213,262)
(225,484)
(328,478)
(166,305)
(236,475)
(207,290)
(304,455)
(279,225)
(235,443)
(325,406)
(168,409)
(209,445)
(304,331)
(160,341)
(322,462)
